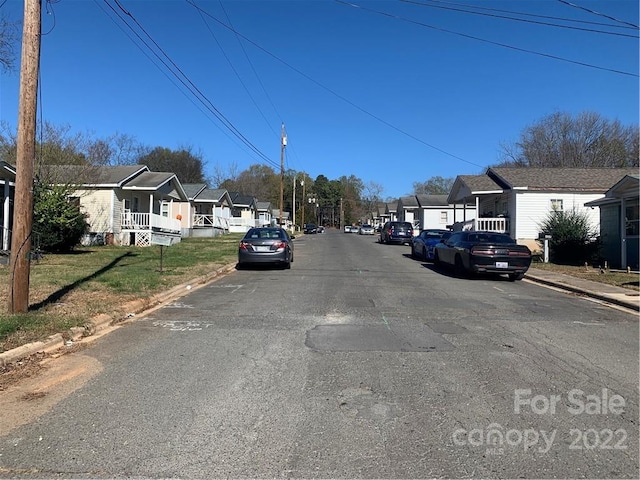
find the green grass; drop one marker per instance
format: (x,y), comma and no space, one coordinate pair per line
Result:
(618,278)
(66,290)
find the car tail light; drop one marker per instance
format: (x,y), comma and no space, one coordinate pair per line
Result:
(482,251)
(280,245)
(518,253)
(246,246)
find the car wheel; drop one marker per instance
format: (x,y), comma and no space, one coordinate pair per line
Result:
(436,259)
(516,276)
(287,265)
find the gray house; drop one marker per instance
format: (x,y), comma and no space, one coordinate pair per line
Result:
(7,187)
(620,222)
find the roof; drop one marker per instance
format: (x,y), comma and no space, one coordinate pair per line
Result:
(149,181)
(240,200)
(193,189)
(103,175)
(594,180)
(408,202)
(432,200)
(7,172)
(626,187)
(264,206)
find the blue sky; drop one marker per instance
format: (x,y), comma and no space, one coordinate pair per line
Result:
(393,92)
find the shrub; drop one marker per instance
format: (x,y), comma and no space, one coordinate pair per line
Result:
(58,224)
(573,240)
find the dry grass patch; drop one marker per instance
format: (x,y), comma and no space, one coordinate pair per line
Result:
(618,278)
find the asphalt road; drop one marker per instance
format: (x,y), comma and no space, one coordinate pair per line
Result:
(359,362)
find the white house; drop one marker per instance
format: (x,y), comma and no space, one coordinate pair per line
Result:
(244,212)
(7,187)
(206,213)
(431,211)
(517,200)
(124,205)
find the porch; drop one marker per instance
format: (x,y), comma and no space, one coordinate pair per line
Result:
(210,221)
(137,228)
(487,224)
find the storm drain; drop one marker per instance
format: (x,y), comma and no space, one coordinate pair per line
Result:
(367,338)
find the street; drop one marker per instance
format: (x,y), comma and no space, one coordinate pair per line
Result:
(359,362)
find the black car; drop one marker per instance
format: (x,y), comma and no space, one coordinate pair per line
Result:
(422,245)
(310,228)
(396,232)
(483,252)
(266,245)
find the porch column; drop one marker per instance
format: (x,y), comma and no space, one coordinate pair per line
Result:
(5,217)
(475,220)
(150,206)
(623,233)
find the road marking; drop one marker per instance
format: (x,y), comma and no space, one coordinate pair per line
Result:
(386,323)
(182,325)
(587,323)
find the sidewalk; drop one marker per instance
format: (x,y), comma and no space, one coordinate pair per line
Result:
(601,291)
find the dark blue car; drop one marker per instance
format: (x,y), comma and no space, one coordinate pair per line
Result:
(422,245)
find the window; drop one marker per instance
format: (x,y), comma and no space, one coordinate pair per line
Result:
(632,219)
(164,209)
(444,217)
(556,205)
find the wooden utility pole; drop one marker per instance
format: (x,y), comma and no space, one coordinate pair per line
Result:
(25,159)
(283,143)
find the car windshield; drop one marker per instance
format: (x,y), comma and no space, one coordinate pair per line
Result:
(256,233)
(434,234)
(489,238)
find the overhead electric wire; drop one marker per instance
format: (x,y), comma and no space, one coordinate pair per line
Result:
(504,45)
(334,93)
(184,79)
(533,15)
(515,19)
(598,13)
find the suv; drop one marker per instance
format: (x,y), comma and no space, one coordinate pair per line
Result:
(396,232)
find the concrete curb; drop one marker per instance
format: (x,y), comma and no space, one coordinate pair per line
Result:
(102,321)
(579,291)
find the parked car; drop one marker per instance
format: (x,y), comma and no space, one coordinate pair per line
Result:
(310,228)
(396,232)
(366,229)
(320,229)
(483,252)
(350,229)
(423,243)
(266,245)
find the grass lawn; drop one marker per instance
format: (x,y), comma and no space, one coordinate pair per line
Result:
(611,277)
(67,290)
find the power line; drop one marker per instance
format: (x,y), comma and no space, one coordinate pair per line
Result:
(504,45)
(337,95)
(185,80)
(598,13)
(515,19)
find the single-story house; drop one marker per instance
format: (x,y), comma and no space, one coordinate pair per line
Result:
(124,205)
(391,211)
(431,211)
(206,213)
(620,222)
(264,213)
(244,212)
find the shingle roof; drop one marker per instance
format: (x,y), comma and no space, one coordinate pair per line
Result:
(149,180)
(479,183)
(409,201)
(193,189)
(597,180)
(432,200)
(90,174)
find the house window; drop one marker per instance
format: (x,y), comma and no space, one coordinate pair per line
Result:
(444,217)
(556,205)
(632,219)
(164,209)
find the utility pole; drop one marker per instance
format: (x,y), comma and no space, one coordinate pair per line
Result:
(295,179)
(25,159)
(283,143)
(304,200)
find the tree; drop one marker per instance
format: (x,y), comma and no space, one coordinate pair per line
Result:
(187,166)
(9,38)
(573,240)
(434,186)
(586,140)
(58,224)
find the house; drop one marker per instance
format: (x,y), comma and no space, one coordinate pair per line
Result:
(620,222)
(391,212)
(7,187)
(206,213)
(124,205)
(431,211)
(517,200)
(244,212)
(264,213)
(286,220)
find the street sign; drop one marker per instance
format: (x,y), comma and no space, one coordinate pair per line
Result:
(159,239)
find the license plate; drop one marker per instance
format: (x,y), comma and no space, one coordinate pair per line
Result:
(262,248)
(502,264)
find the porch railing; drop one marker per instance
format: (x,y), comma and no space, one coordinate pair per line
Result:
(498,224)
(210,221)
(148,221)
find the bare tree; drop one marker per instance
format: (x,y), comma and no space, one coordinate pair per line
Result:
(586,140)
(9,39)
